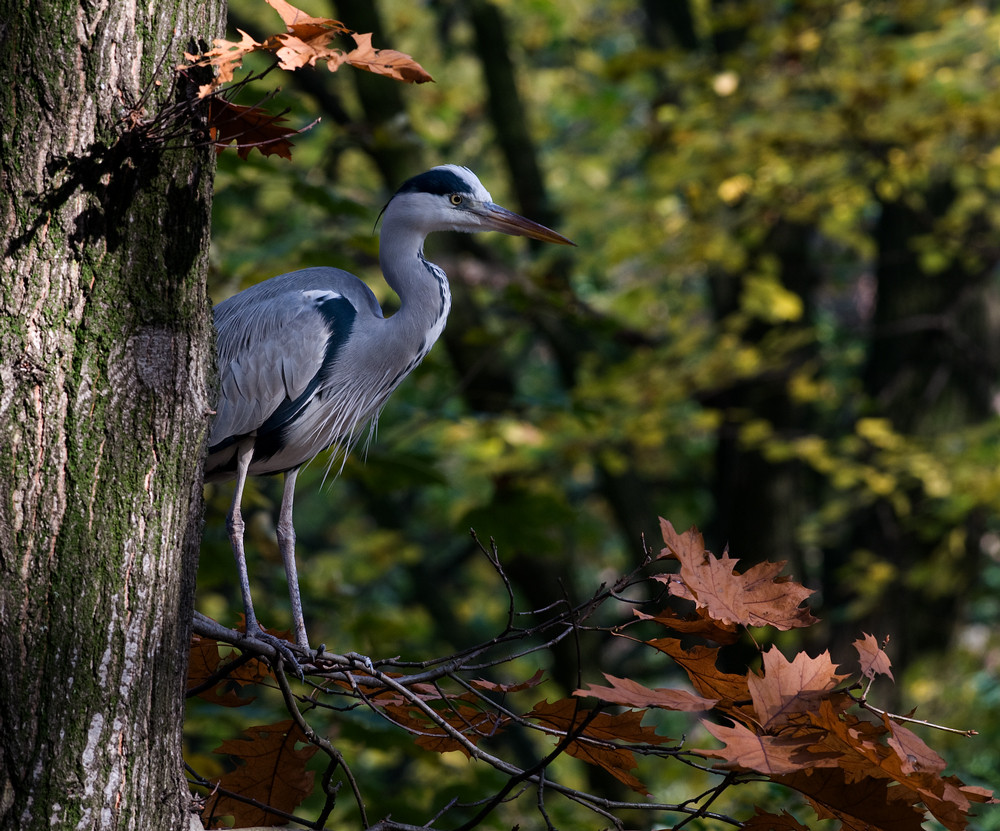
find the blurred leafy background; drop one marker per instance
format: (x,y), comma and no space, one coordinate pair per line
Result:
(782,324)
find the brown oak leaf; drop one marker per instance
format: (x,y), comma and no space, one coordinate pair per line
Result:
(205,662)
(772,755)
(604,731)
(295,52)
(861,743)
(632,694)
(699,623)
(461,713)
(227,56)
(914,754)
(271,770)
(766,821)
(699,664)
(387,62)
(788,687)
(760,596)
(491,686)
(249,128)
(872,657)
(301,24)
(871,751)
(860,805)
(474,725)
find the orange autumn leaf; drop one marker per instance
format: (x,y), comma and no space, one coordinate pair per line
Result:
(759,596)
(630,693)
(846,765)
(949,801)
(687,547)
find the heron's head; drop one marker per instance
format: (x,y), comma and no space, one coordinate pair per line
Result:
(451,198)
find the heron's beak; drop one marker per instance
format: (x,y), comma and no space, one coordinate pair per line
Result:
(496,218)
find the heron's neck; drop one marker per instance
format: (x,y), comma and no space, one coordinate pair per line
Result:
(424,294)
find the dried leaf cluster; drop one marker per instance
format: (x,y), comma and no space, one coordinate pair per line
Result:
(306,41)
(802,723)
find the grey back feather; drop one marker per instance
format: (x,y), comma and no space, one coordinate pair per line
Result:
(272,342)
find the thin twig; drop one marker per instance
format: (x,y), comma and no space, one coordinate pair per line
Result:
(863,703)
(493,555)
(317,740)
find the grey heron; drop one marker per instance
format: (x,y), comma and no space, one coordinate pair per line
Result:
(307,359)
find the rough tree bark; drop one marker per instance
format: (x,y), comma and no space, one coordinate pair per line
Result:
(105,352)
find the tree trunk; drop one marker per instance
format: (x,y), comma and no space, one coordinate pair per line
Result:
(105,352)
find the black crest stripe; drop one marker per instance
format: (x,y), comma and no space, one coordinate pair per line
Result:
(437,182)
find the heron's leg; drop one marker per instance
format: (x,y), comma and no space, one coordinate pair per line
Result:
(286,545)
(236,528)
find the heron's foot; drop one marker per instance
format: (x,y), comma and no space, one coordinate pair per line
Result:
(351,657)
(364,660)
(283,648)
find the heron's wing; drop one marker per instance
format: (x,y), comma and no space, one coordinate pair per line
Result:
(273,351)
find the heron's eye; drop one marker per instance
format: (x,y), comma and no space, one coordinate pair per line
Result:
(456,199)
